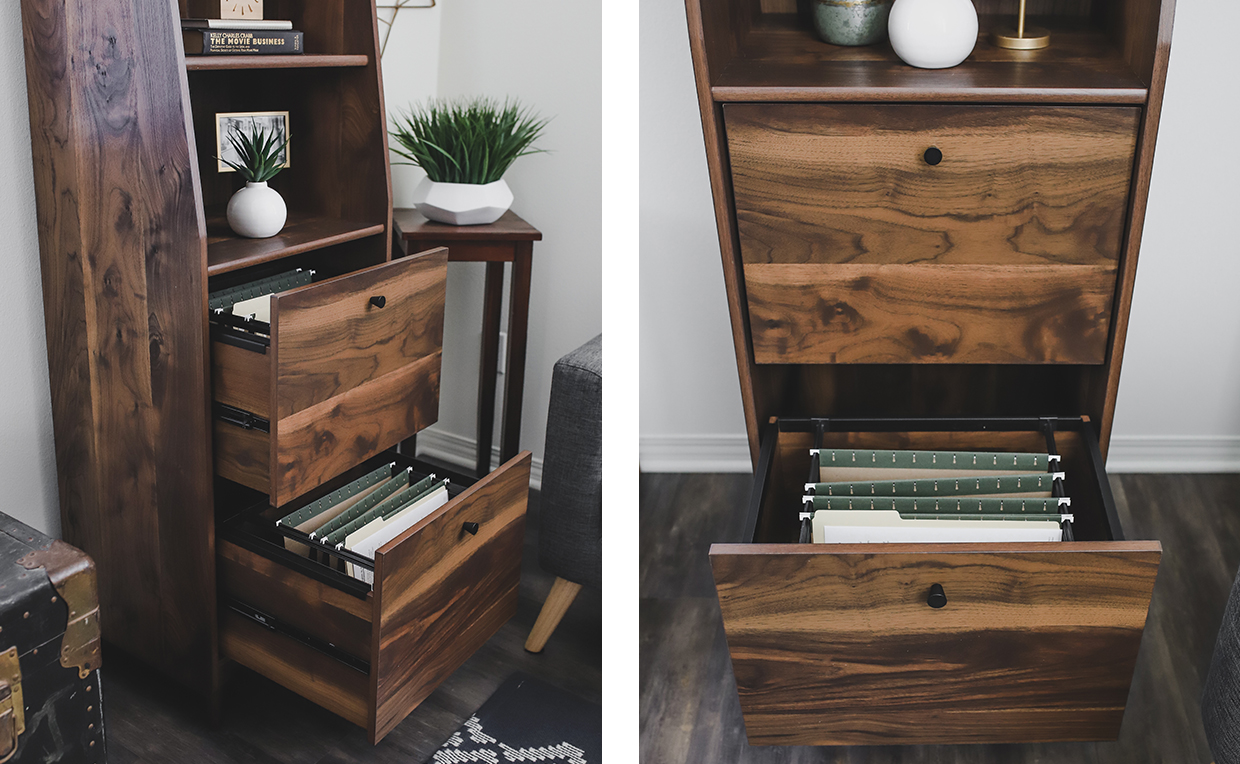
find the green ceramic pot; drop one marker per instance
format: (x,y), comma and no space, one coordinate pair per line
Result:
(851,22)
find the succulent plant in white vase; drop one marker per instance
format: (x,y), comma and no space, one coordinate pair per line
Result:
(465,147)
(257,211)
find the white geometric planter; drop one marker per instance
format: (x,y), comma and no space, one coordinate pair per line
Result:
(462,203)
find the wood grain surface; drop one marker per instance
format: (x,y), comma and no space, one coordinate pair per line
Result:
(241,378)
(124,285)
(242,456)
(849,184)
(329,338)
(689,707)
(311,674)
(929,313)
(305,603)
(782,59)
(323,441)
(440,593)
(838,646)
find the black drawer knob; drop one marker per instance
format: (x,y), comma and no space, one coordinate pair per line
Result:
(471,528)
(937,598)
(933,156)
(378,301)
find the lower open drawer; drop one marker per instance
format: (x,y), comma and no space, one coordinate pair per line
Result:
(835,644)
(372,653)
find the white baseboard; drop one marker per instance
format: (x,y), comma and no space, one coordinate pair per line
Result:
(695,453)
(1128,453)
(1174,453)
(460,450)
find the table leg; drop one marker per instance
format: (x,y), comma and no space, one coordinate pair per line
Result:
(518,325)
(493,297)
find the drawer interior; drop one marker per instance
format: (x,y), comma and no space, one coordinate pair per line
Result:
(784,463)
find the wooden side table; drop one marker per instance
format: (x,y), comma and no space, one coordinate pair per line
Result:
(508,240)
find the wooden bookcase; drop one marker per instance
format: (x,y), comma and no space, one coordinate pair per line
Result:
(970,298)
(132,239)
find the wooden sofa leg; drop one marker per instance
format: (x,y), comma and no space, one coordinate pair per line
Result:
(562,594)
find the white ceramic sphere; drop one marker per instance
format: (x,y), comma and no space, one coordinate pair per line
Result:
(257,211)
(462,203)
(933,34)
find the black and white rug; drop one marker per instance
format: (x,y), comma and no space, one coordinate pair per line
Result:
(527,721)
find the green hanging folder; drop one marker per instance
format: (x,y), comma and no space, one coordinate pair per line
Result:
(397,483)
(953,486)
(316,508)
(337,536)
(858,465)
(954,507)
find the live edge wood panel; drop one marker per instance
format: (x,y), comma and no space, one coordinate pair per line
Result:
(122,246)
(838,646)
(856,250)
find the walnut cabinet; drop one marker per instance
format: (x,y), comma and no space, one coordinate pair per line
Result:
(178,442)
(930,259)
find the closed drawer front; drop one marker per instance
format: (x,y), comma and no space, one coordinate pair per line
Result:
(857,249)
(836,644)
(352,369)
(439,593)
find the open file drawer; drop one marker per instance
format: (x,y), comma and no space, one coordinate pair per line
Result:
(372,654)
(836,645)
(347,367)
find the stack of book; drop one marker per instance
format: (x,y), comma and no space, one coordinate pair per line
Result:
(869,496)
(240,37)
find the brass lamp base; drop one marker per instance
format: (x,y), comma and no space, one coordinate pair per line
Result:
(1034,38)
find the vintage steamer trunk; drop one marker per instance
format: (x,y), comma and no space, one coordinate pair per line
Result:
(50,701)
(939,260)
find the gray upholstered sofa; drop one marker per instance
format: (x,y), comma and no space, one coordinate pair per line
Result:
(570,519)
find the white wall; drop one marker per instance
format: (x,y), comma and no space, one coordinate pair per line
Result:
(27,460)
(1179,399)
(546,53)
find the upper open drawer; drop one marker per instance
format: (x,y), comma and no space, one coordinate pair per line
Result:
(349,367)
(930,234)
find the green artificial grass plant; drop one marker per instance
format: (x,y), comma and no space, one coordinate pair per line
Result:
(259,152)
(472,141)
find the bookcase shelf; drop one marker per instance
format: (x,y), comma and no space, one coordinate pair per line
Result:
(303,232)
(304,61)
(780,59)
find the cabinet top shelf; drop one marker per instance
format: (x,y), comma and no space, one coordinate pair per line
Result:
(303,61)
(781,60)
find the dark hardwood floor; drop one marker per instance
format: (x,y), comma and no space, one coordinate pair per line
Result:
(149,720)
(689,708)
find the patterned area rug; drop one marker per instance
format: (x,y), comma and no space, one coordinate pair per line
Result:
(527,720)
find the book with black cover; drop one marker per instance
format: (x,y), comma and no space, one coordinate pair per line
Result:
(210,42)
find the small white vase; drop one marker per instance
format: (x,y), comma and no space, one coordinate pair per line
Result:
(257,211)
(462,203)
(933,34)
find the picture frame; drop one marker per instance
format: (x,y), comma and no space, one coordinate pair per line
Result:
(227,123)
